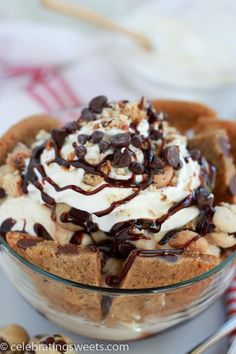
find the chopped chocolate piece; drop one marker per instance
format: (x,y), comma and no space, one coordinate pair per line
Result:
(137,168)
(204,199)
(155,134)
(171,155)
(25,243)
(98,103)
(58,136)
(225,146)
(2,193)
(157,164)
(80,151)
(88,115)
(103,146)
(83,138)
(195,154)
(232,186)
(122,158)
(120,140)
(68,249)
(137,141)
(97,136)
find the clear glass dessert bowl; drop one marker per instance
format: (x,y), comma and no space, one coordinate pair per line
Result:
(111,313)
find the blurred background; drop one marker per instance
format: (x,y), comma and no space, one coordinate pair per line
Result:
(49,61)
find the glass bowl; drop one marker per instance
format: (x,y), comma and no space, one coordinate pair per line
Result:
(114,314)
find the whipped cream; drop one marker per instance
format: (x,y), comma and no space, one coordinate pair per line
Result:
(151,203)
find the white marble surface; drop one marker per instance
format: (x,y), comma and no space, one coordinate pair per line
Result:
(174,341)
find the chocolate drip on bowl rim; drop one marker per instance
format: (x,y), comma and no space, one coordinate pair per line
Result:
(170,255)
(6,226)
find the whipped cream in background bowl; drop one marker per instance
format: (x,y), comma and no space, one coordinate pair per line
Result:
(188,61)
(121,180)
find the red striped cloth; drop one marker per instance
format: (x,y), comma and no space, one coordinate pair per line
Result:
(46,86)
(230,300)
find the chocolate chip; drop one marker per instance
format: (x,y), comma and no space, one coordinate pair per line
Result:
(2,193)
(204,199)
(88,115)
(97,136)
(80,151)
(157,164)
(195,154)
(103,146)
(232,186)
(171,155)
(71,127)
(137,168)
(58,136)
(120,140)
(69,249)
(25,243)
(155,134)
(98,103)
(122,158)
(83,138)
(225,145)
(137,141)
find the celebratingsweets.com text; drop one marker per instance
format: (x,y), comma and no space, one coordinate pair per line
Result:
(64,348)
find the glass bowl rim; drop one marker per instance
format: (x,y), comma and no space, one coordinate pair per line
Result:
(117,291)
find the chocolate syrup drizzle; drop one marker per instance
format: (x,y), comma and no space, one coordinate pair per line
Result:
(170,255)
(8,224)
(121,233)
